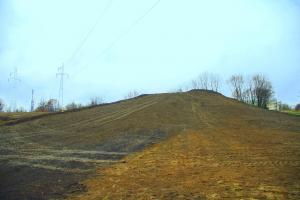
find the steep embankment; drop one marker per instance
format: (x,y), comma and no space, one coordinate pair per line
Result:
(196,131)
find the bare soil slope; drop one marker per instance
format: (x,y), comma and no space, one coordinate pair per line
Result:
(210,164)
(193,141)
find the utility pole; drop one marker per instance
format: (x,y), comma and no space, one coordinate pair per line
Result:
(14,80)
(32,101)
(61,73)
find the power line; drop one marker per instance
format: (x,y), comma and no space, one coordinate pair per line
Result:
(89,32)
(73,55)
(123,34)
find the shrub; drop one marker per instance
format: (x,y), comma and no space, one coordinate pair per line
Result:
(297,107)
(2,105)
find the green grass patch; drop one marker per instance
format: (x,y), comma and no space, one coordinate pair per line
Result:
(293,112)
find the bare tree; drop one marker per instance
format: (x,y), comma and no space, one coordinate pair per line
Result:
(248,94)
(131,94)
(95,101)
(263,90)
(195,84)
(251,89)
(2,105)
(48,106)
(206,81)
(179,90)
(73,106)
(258,90)
(237,86)
(52,105)
(42,107)
(215,82)
(203,80)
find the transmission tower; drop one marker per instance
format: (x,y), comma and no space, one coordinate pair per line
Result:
(32,101)
(61,73)
(14,80)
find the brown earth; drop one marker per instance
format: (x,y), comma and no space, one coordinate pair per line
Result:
(208,164)
(185,145)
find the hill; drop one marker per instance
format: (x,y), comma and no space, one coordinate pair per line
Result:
(180,145)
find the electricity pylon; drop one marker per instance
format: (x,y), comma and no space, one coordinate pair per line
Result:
(14,80)
(60,73)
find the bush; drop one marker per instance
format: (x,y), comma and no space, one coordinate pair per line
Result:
(285,107)
(131,94)
(20,109)
(95,101)
(297,107)
(48,106)
(2,105)
(73,106)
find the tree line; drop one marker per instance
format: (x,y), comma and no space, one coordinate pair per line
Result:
(255,90)
(52,105)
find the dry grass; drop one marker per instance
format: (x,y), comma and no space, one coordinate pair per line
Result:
(15,116)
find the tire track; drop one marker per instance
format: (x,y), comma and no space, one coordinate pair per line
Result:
(108,113)
(110,118)
(128,113)
(66,151)
(119,114)
(290,163)
(51,167)
(52,157)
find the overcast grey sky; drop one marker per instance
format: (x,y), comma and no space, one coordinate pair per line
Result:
(151,46)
